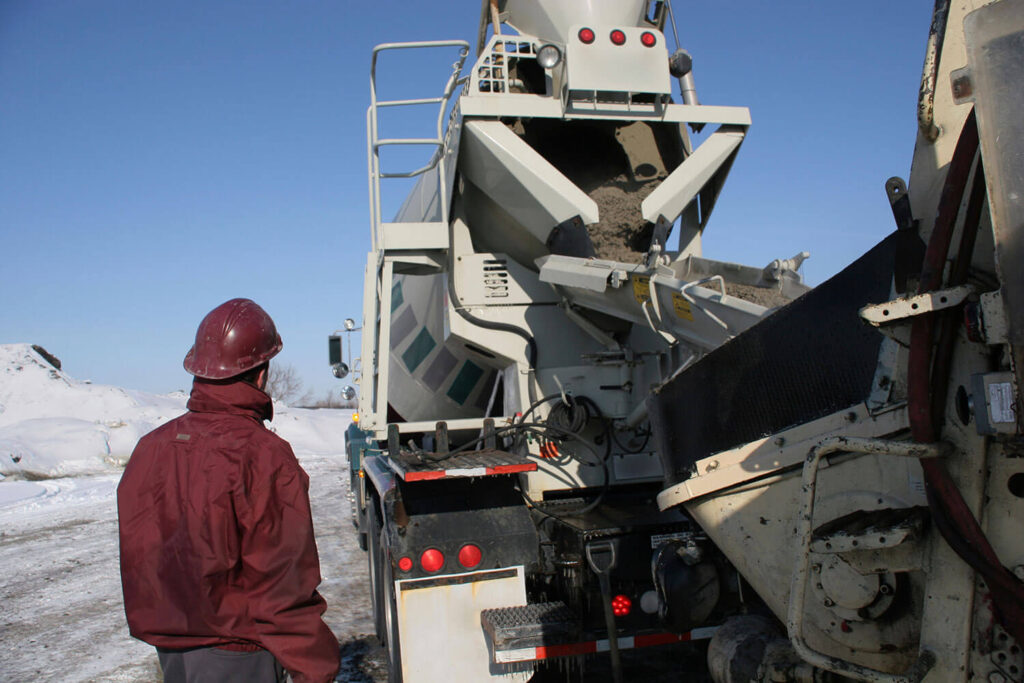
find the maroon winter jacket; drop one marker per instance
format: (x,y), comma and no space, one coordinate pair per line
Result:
(217,542)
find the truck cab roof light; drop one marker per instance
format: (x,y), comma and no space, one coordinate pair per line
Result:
(470,556)
(586,36)
(618,37)
(432,560)
(648,39)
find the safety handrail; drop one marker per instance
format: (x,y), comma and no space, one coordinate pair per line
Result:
(375,143)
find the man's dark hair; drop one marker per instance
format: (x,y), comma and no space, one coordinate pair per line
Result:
(249,376)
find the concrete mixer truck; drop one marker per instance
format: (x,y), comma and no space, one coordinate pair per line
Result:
(578,435)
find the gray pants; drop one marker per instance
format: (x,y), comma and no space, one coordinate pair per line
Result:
(211,665)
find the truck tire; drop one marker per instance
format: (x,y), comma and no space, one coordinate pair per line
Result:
(390,613)
(373,535)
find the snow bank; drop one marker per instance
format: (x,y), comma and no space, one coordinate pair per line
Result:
(320,432)
(52,425)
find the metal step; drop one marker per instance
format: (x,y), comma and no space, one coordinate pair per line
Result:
(548,630)
(415,235)
(530,626)
(870,530)
(485,463)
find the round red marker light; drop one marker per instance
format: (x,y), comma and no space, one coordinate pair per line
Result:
(618,37)
(586,36)
(432,560)
(405,564)
(470,556)
(621,605)
(648,39)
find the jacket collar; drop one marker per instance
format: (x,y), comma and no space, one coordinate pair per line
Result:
(232,398)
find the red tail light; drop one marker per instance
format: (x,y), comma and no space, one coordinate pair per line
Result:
(432,560)
(405,564)
(648,39)
(621,605)
(586,36)
(470,556)
(618,37)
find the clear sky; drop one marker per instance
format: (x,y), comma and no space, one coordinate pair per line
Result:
(158,158)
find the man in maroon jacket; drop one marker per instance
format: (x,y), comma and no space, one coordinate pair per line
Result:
(218,562)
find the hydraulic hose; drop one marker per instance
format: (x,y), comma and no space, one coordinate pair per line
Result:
(928,373)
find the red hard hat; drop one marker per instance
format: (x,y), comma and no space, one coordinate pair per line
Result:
(236,336)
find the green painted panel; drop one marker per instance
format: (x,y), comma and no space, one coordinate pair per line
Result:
(464,382)
(396,295)
(422,345)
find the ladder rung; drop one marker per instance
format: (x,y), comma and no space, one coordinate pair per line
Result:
(408,141)
(423,100)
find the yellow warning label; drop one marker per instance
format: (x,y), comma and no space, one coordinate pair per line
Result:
(681,306)
(642,289)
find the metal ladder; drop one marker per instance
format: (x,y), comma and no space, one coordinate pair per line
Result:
(401,246)
(411,236)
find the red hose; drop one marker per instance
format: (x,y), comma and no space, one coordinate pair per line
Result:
(953,517)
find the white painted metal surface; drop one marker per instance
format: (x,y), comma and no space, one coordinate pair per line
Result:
(519,180)
(711,159)
(439,621)
(778,452)
(598,66)
(551,20)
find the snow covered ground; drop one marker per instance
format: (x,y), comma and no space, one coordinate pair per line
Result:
(63,443)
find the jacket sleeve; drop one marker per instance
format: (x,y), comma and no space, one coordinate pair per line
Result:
(282,567)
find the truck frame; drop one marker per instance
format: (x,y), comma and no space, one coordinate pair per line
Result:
(574,440)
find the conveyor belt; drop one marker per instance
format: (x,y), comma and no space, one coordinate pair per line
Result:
(808,360)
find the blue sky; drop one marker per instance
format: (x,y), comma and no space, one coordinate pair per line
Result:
(158,158)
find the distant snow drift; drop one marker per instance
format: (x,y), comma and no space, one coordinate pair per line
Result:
(52,425)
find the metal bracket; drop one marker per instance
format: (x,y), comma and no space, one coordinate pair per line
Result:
(901,309)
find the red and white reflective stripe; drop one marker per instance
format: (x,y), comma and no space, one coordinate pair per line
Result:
(465,472)
(529,654)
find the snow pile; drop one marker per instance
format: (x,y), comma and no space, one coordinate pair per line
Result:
(52,425)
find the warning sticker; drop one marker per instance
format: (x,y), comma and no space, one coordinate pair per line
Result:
(681,306)
(1000,402)
(642,289)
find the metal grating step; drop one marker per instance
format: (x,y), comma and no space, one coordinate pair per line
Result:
(418,467)
(529,626)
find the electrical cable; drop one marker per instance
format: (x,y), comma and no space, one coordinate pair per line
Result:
(564,422)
